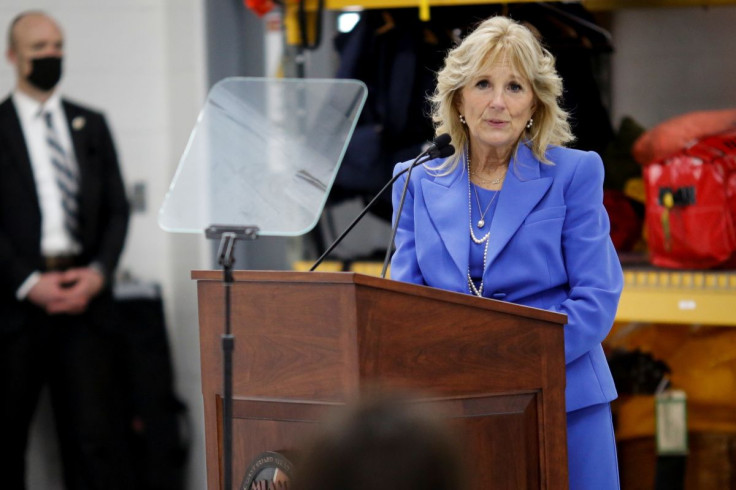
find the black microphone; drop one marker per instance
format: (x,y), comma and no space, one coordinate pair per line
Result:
(440,148)
(438,144)
(442,153)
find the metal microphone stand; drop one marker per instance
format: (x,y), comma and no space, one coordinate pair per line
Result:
(228,235)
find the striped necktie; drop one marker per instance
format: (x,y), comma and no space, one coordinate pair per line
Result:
(66,178)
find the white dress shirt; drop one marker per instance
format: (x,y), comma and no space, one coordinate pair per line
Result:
(55,239)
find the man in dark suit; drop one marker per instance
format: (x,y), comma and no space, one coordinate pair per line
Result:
(63,220)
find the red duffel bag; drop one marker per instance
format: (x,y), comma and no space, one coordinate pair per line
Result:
(691,205)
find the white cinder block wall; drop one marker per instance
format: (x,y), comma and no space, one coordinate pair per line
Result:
(142,62)
(669,61)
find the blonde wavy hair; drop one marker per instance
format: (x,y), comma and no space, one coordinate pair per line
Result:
(500,38)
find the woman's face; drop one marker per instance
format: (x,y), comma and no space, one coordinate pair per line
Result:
(497,105)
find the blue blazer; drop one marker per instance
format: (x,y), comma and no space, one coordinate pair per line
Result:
(550,248)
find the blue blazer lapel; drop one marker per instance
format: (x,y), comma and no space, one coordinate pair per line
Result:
(446,201)
(522,190)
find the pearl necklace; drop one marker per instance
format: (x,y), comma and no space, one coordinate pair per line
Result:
(478,291)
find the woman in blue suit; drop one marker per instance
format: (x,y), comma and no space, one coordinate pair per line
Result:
(517,217)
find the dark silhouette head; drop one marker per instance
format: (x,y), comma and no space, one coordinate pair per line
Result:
(381,442)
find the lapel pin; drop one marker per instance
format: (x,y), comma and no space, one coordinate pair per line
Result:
(78,123)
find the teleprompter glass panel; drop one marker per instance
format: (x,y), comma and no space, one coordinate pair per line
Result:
(263,152)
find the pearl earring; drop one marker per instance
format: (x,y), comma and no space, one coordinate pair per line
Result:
(529,124)
(462,119)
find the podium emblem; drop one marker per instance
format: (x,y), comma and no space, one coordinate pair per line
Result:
(269,470)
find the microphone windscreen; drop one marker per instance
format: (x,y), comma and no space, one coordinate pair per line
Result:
(442,140)
(446,151)
(442,152)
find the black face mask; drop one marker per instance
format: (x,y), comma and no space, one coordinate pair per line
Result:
(45,72)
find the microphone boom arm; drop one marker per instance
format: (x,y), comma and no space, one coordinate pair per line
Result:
(440,148)
(367,208)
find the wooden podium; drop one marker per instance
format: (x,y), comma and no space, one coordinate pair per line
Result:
(306,342)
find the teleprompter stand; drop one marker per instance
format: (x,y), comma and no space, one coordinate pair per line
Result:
(228,236)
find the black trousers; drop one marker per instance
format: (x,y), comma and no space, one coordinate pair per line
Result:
(76,360)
